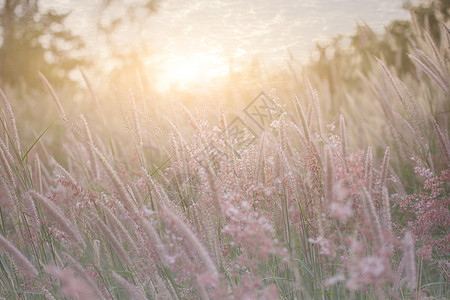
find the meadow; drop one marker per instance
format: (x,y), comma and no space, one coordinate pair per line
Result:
(305,192)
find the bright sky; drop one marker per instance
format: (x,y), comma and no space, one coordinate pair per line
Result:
(195,39)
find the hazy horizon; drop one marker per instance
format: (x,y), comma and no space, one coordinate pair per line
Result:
(195,40)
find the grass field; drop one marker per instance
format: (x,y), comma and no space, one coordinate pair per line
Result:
(299,193)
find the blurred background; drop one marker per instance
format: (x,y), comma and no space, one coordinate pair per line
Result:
(203,54)
(178,45)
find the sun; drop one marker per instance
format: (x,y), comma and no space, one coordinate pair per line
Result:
(185,71)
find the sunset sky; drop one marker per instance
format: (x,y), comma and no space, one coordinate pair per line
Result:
(196,39)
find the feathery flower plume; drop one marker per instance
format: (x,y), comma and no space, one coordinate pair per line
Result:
(282,134)
(122,231)
(21,261)
(112,240)
(387,220)
(214,193)
(385,168)
(133,291)
(72,286)
(5,164)
(397,183)
(368,169)
(47,294)
(57,215)
(91,90)
(260,165)
(223,121)
(191,240)
(309,115)
(299,133)
(302,119)
(434,74)
(136,124)
(312,94)
(443,145)
(60,171)
(155,241)
(118,184)
(160,192)
(38,172)
(12,121)
(10,193)
(179,145)
(31,210)
(405,98)
(50,89)
(344,139)
(440,60)
(4,148)
(82,273)
(90,147)
(96,246)
(373,217)
(329,176)
(406,130)
(410,261)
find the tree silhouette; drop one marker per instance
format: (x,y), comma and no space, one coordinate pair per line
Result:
(33,40)
(128,60)
(393,46)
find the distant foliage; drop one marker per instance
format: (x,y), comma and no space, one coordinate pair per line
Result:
(32,41)
(341,64)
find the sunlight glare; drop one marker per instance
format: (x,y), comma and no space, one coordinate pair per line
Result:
(183,71)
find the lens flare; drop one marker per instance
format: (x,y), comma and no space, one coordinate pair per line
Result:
(183,71)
